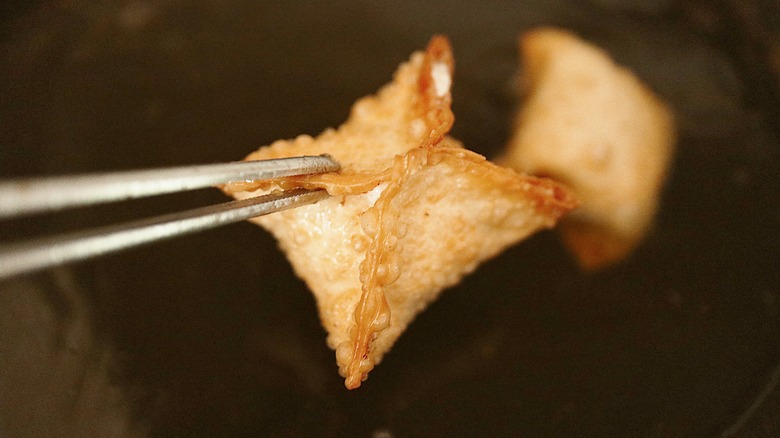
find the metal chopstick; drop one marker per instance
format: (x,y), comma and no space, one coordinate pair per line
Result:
(26,196)
(46,252)
(21,197)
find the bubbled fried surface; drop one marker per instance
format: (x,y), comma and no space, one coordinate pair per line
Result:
(412,212)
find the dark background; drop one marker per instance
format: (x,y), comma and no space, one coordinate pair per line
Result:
(212,335)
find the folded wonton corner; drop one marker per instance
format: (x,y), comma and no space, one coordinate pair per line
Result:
(593,125)
(411,211)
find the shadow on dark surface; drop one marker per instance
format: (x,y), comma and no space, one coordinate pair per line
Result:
(212,335)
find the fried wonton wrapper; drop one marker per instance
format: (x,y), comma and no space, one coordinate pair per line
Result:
(593,125)
(412,212)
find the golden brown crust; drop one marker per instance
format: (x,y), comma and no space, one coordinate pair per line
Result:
(364,165)
(412,211)
(593,125)
(435,107)
(386,222)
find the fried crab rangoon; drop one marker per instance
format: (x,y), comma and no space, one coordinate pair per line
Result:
(411,211)
(593,125)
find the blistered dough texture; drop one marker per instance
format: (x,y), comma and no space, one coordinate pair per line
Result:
(447,217)
(593,125)
(411,211)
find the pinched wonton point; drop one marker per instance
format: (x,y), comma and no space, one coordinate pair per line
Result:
(594,126)
(411,211)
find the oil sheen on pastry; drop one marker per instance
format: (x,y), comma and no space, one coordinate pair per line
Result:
(411,211)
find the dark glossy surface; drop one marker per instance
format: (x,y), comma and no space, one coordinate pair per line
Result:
(212,335)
